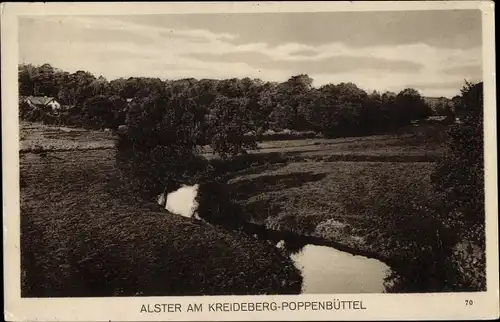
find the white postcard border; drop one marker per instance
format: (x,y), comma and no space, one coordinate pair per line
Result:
(449,306)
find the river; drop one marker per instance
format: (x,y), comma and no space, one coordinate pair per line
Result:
(327,270)
(324,269)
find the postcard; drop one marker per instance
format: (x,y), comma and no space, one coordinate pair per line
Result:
(263,161)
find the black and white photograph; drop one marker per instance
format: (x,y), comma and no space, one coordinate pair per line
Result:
(252,153)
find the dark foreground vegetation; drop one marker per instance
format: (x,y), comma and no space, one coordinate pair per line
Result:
(425,219)
(83,233)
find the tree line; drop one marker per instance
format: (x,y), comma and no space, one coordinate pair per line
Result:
(217,112)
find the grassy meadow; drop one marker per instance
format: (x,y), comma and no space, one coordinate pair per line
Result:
(345,202)
(356,177)
(35,137)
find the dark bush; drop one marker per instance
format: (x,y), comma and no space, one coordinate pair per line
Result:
(151,171)
(217,206)
(459,180)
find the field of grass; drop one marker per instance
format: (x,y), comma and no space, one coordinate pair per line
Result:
(413,143)
(36,137)
(84,234)
(345,202)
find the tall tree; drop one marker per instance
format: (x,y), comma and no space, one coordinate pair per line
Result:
(459,179)
(77,88)
(228,122)
(293,98)
(26,82)
(410,105)
(337,109)
(460,174)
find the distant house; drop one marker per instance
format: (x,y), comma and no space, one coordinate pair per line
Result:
(438,118)
(443,119)
(43,102)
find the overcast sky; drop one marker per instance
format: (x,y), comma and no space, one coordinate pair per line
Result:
(432,51)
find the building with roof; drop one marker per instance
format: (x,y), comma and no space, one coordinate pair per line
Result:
(43,102)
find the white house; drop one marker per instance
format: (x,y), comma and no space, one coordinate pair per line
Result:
(42,102)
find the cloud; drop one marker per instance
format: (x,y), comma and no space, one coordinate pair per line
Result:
(196,35)
(452,29)
(96,27)
(474,71)
(63,30)
(451,84)
(306,52)
(176,36)
(332,64)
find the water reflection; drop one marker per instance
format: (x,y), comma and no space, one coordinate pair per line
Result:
(327,270)
(181,201)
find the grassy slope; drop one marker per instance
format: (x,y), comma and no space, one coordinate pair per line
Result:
(84,234)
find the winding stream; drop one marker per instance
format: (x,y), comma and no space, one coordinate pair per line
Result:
(324,269)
